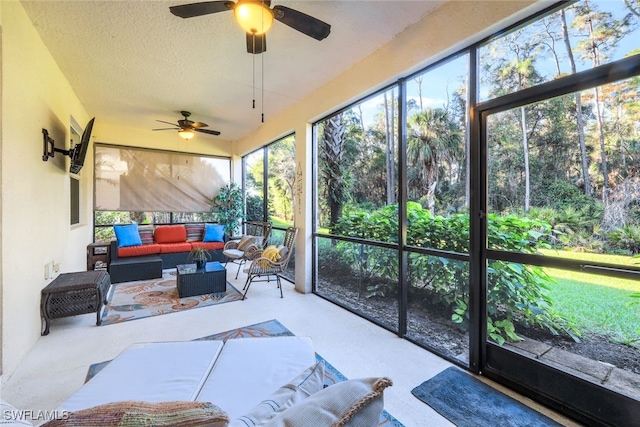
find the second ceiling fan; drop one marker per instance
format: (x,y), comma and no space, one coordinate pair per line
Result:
(186,127)
(256,17)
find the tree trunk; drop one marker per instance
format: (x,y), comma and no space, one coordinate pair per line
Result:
(599,121)
(334,152)
(389,133)
(579,123)
(419,81)
(623,158)
(525,151)
(431,196)
(467,149)
(603,154)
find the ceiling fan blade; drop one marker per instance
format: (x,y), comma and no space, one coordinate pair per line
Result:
(165,129)
(169,123)
(199,9)
(199,125)
(256,44)
(302,22)
(210,132)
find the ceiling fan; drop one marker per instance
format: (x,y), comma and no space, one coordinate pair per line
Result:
(255,17)
(186,127)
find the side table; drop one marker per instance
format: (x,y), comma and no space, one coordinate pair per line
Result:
(70,294)
(98,256)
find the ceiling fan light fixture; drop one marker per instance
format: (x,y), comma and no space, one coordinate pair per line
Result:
(254,17)
(186,134)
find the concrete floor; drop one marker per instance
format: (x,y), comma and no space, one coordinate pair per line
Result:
(57,365)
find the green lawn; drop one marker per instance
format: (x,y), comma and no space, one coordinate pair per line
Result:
(596,303)
(278,222)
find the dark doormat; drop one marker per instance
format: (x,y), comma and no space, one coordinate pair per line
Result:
(467,401)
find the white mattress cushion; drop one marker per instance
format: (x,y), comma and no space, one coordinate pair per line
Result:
(151,372)
(250,369)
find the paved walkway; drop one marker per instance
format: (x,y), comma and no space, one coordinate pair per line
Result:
(602,373)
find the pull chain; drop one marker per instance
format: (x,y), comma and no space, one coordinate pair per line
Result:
(262,108)
(262,55)
(254,71)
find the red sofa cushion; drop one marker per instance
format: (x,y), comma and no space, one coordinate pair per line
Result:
(208,245)
(140,250)
(170,234)
(170,248)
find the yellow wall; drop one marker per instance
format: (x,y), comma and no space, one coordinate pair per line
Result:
(35,213)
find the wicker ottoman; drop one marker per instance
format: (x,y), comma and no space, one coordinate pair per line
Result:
(70,294)
(209,280)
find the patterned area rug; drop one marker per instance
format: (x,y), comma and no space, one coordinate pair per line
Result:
(270,328)
(145,298)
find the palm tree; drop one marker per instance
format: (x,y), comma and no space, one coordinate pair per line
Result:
(433,140)
(332,152)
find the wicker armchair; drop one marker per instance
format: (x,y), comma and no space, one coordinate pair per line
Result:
(250,244)
(266,268)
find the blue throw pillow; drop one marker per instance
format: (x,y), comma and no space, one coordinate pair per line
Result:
(213,233)
(127,235)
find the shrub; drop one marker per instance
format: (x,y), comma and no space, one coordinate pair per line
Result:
(517,293)
(560,193)
(627,238)
(254,208)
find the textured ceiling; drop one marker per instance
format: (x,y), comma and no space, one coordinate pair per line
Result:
(132,62)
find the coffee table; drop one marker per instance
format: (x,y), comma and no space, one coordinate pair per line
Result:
(200,281)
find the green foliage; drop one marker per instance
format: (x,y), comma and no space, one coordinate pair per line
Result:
(282,176)
(627,238)
(560,193)
(578,229)
(517,294)
(105,234)
(254,208)
(497,330)
(336,151)
(199,254)
(227,206)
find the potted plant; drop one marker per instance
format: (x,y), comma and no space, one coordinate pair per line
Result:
(199,255)
(227,207)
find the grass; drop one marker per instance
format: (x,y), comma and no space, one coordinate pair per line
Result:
(595,303)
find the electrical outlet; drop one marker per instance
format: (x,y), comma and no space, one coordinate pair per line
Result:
(56,267)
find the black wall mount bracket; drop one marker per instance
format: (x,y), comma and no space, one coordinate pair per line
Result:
(49,148)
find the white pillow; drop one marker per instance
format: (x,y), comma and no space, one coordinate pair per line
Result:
(354,403)
(308,382)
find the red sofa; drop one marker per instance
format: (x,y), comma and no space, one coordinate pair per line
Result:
(164,246)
